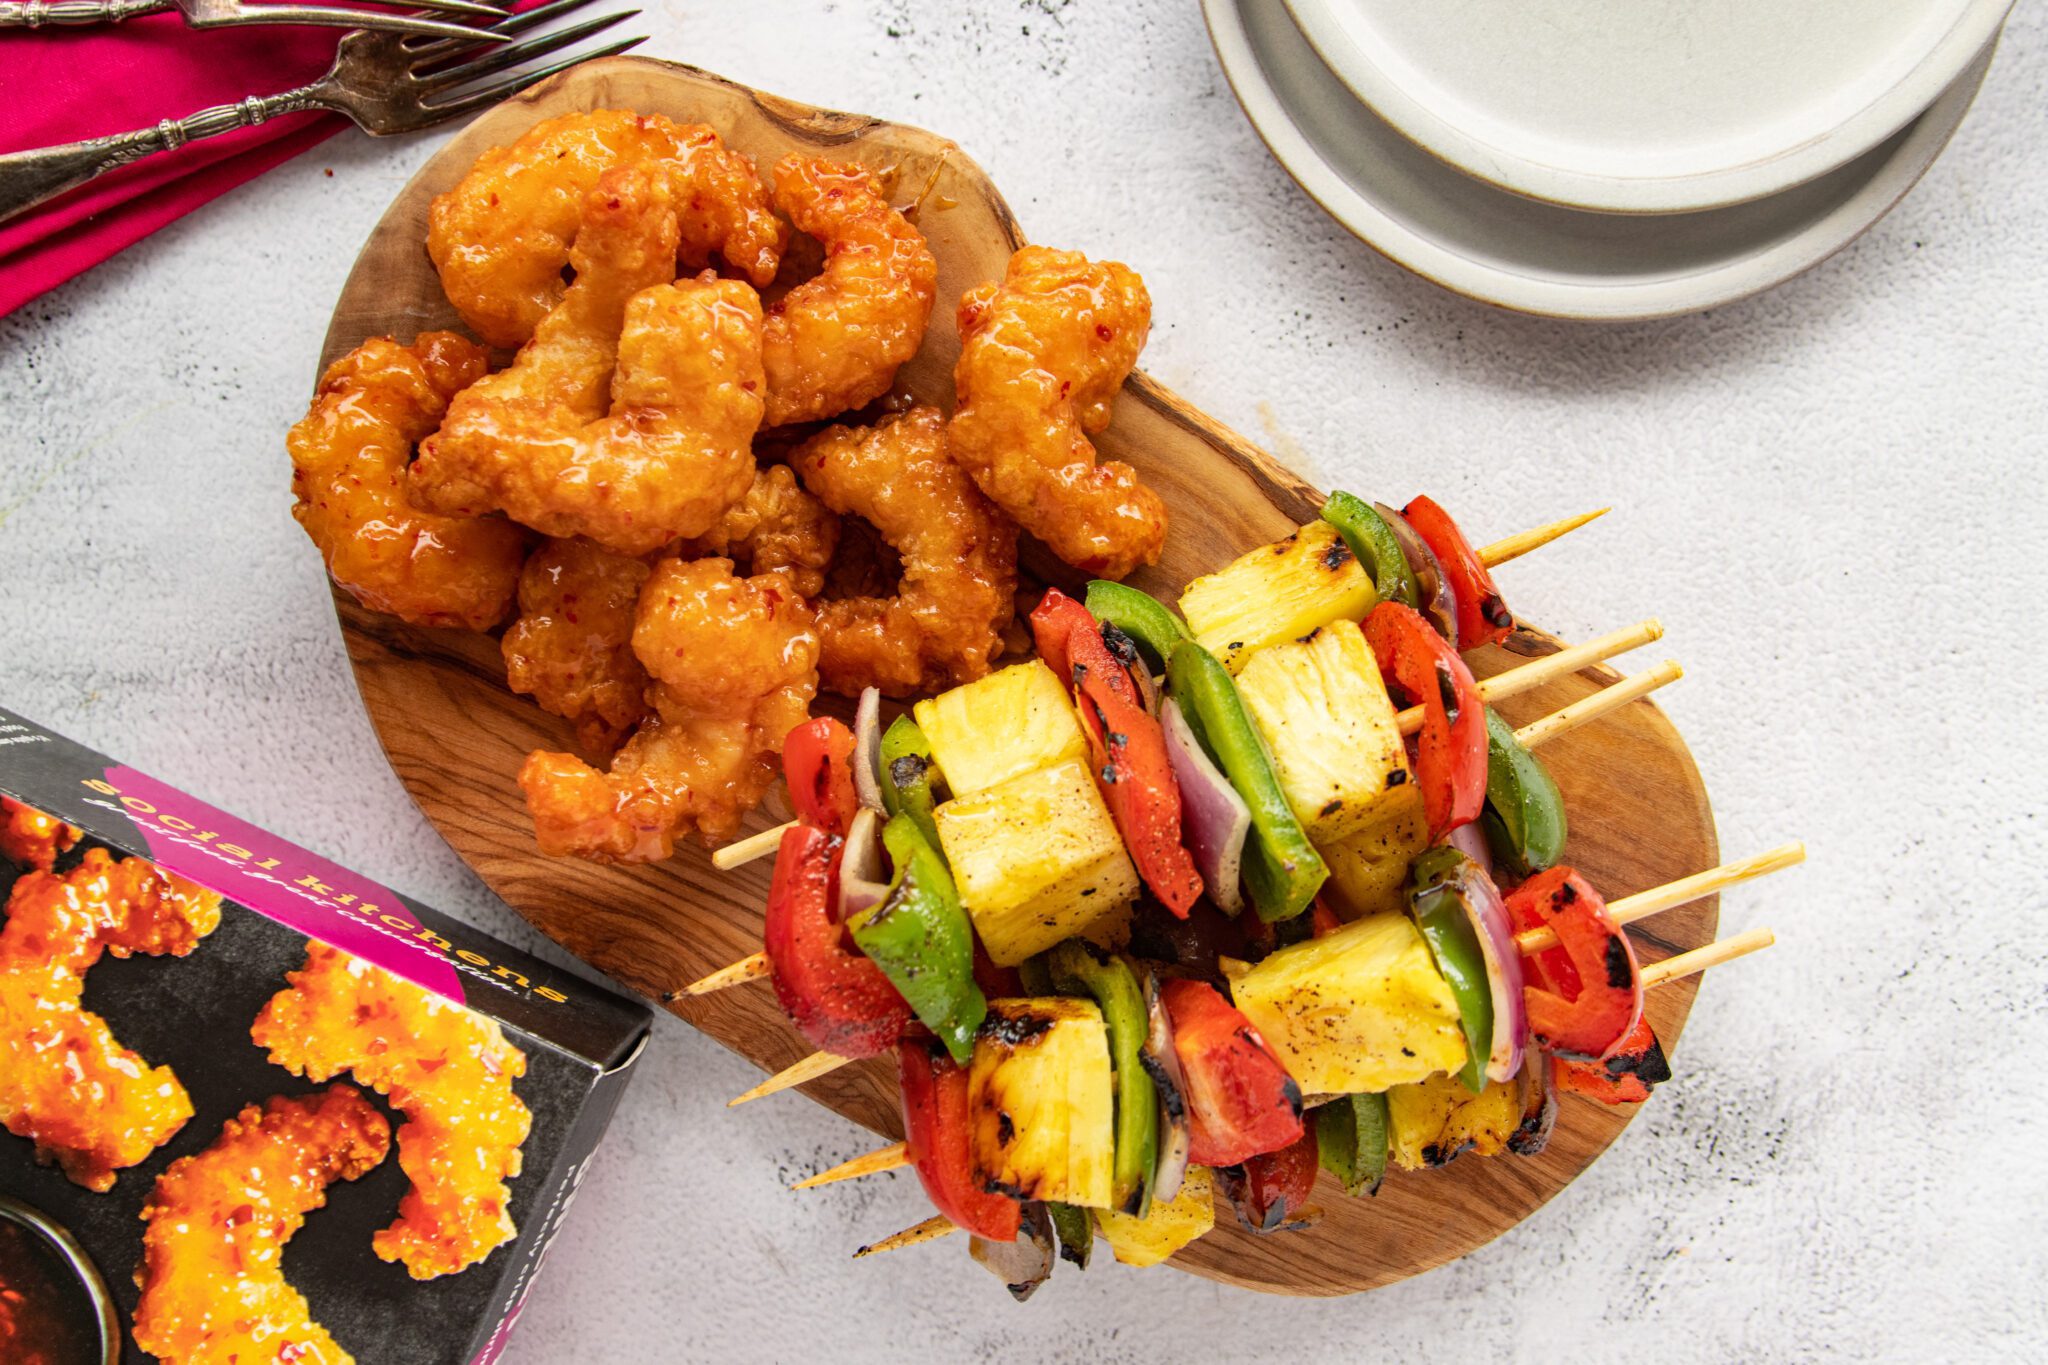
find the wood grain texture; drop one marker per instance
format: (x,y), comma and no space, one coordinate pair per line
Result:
(456,735)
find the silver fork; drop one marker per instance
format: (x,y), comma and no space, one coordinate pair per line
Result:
(233,13)
(386,82)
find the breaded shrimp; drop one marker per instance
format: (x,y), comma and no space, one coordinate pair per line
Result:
(834,342)
(735,667)
(777,526)
(630,416)
(66,1083)
(501,237)
(349,457)
(33,839)
(212,1274)
(571,647)
(448,1069)
(958,553)
(1042,355)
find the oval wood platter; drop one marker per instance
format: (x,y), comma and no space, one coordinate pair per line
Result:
(456,735)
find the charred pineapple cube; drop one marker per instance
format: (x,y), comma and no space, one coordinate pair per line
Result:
(1369,869)
(1277,592)
(1038,859)
(1016,720)
(1040,1102)
(1171,1224)
(1319,704)
(1432,1121)
(1362,1009)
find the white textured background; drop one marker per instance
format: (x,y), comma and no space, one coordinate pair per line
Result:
(1831,494)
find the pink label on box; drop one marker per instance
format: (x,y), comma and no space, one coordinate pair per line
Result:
(282,881)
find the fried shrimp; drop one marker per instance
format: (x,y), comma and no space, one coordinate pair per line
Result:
(630,416)
(66,1083)
(448,1069)
(735,667)
(501,237)
(212,1275)
(834,342)
(1042,355)
(33,839)
(958,553)
(349,457)
(777,526)
(571,648)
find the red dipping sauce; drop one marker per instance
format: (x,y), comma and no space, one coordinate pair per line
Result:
(43,1309)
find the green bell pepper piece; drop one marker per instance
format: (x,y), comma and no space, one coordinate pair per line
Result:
(1351,1141)
(1524,816)
(1143,617)
(908,776)
(1076,1227)
(1436,895)
(1080,968)
(1281,867)
(1376,546)
(1035,976)
(920,938)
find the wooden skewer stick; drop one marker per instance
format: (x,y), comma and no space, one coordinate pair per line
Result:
(1519,544)
(1599,704)
(750,968)
(891,1158)
(1537,672)
(753,846)
(1712,955)
(807,1069)
(1643,904)
(931,1229)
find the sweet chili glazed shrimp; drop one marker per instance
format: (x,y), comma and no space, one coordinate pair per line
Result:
(448,1069)
(776,527)
(33,839)
(834,342)
(349,457)
(571,647)
(501,237)
(212,1278)
(66,1083)
(1042,355)
(629,418)
(958,553)
(735,666)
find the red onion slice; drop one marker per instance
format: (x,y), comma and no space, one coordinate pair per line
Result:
(1470,840)
(1162,1064)
(1539,1107)
(1439,599)
(1213,816)
(1488,914)
(867,750)
(1024,1264)
(863,872)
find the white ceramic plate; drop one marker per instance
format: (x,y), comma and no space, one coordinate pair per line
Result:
(1649,106)
(1502,248)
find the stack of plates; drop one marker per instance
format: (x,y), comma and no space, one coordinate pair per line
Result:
(1606,158)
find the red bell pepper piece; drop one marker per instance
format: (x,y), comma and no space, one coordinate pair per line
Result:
(1624,1078)
(1322,919)
(817,762)
(1241,1101)
(1450,755)
(1127,745)
(935,1136)
(1587,994)
(836,997)
(1275,1186)
(1483,618)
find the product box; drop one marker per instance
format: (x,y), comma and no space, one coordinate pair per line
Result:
(194,1014)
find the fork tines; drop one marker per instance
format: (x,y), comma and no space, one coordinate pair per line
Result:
(448,65)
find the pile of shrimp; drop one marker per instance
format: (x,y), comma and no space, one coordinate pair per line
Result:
(686,554)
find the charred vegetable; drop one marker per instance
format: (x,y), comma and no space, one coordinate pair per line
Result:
(909,776)
(839,1000)
(1351,1141)
(1376,546)
(1148,621)
(1171,1225)
(920,938)
(1042,1102)
(937,1137)
(1434,1120)
(1082,969)
(1023,1263)
(1270,1192)
(1241,1101)
(1585,995)
(1524,818)
(1275,593)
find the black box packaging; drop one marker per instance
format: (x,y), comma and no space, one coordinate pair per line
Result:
(194,1014)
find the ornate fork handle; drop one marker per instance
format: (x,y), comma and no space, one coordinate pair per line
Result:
(29,178)
(36,13)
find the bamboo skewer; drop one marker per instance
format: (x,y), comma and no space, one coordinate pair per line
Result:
(930,1230)
(806,1069)
(1519,544)
(1629,909)
(753,846)
(750,968)
(1599,704)
(891,1158)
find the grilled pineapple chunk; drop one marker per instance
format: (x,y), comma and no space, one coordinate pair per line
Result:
(1319,704)
(1369,869)
(1434,1120)
(1171,1224)
(1038,859)
(1277,592)
(1361,1009)
(1040,1103)
(1014,721)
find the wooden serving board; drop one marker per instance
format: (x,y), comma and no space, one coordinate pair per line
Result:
(457,735)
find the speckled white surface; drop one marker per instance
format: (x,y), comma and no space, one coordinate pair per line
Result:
(1831,493)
